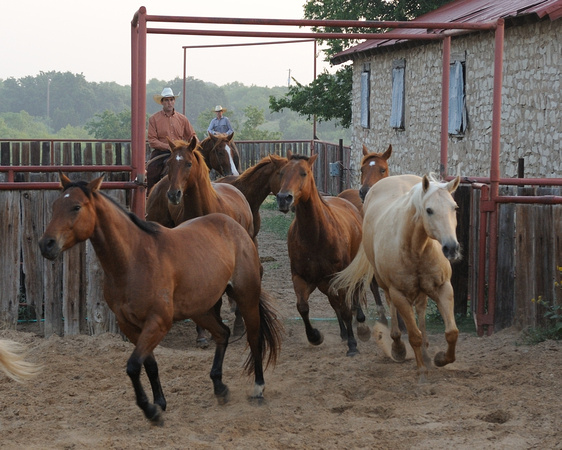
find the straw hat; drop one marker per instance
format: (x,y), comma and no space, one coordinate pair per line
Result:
(166,92)
(219,108)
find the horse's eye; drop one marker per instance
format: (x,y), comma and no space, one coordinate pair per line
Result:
(429,211)
(383,170)
(76,208)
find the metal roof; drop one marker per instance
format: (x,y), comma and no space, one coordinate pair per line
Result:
(466,11)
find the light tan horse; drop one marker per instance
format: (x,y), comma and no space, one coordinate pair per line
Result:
(13,364)
(409,239)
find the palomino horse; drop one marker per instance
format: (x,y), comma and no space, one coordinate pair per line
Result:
(374,167)
(408,240)
(155,276)
(13,364)
(322,240)
(221,154)
(257,182)
(187,192)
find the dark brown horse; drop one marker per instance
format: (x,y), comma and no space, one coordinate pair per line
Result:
(374,167)
(155,276)
(221,154)
(322,240)
(257,182)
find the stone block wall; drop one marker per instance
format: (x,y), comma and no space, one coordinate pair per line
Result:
(531,105)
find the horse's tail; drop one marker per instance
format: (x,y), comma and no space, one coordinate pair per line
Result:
(355,278)
(13,364)
(271,330)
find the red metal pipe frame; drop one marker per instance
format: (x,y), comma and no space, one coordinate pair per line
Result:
(445,106)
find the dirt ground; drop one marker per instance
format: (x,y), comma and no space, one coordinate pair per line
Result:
(497,395)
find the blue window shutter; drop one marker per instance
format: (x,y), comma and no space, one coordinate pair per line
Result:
(398,90)
(457,111)
(365,99)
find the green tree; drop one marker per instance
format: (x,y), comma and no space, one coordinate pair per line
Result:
(254,118)
(329,96)
(110,125)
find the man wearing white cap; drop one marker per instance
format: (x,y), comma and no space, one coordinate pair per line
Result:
(167,123)
(220,124)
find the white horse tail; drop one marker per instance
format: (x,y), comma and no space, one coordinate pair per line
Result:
(13,364)
(355,278)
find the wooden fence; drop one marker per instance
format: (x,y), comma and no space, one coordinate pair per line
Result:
(66,295)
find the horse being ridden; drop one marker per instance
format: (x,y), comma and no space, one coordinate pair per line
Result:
(409,239)
(221,155)
(187,192)
(155,276)
(257,182)
(322,240)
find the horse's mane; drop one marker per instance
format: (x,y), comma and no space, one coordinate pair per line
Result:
(251,172)
(148,227)
(416,193)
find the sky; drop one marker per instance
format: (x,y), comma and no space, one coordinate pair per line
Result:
(94,39)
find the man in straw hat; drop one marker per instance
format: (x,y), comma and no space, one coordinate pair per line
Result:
(167,123)
(220,124)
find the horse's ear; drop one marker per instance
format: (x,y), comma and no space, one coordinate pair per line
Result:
(289,154)
(95,184)
(425,183)
(193,143)
(64,180)
(230,136)
(312,159)
(453,184)
(210,134)
(388,152)
(365,150)
(170,143)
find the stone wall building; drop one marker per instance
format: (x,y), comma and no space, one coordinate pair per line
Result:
(397,93)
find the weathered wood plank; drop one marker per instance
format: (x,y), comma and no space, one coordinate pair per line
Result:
(10,238)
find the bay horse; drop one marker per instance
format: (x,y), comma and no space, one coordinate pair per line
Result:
(221,154)
(13,364)
(409,242)
(322,240)
(155,276)
(187,192)
(374,167)
(257,182)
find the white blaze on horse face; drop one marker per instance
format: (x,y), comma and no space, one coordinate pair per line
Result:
(67,195)
(232,166)
(179,158)
(372,163)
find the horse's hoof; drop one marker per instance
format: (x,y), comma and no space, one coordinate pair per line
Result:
(363,332)
(154,414)
(315,337)
(360,316)
(353,352)
(399,353)
(224,397)
(202,342)
(440,359)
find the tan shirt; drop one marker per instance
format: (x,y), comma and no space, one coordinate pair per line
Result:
(175,126)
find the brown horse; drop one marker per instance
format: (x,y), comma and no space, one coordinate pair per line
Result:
(322,240)
(187,192)
(409,237)
(13,364)
(221,154)
(257,182)
(155,276)
(374,167)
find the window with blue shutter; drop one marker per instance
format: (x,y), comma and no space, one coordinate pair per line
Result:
(457,104)
(398,93)
(365,96)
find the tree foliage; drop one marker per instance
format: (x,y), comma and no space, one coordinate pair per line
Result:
(329,96)
(110,125)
